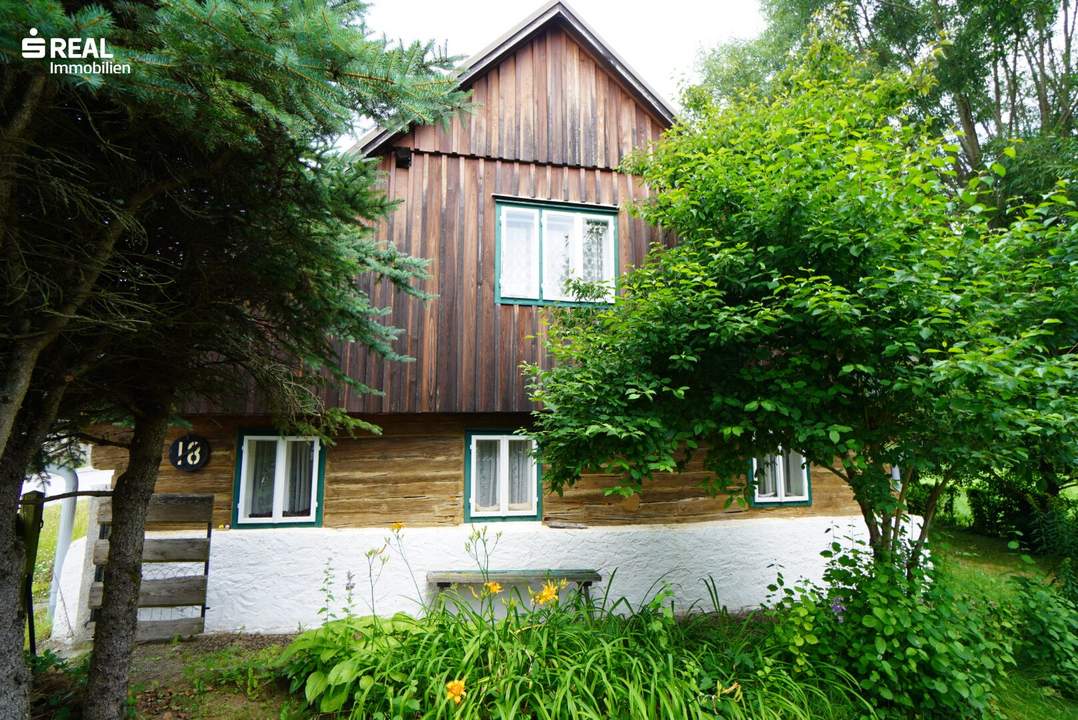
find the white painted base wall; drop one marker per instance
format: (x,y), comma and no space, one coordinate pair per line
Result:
(269,580)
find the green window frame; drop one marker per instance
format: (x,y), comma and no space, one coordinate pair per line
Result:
(473,511)
(781,479)
(290,471)
(539,220)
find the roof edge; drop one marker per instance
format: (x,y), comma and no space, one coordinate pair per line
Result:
(549,12)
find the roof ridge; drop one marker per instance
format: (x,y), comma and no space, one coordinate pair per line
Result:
(515,36)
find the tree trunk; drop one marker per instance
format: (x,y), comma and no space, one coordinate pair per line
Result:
(14,675)
(28,433)
(114,633)
(931,504)
(14,384)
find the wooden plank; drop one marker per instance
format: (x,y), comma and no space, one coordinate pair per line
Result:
(168,508)
(472,577)
(160,630)
(162,550)
(162,592)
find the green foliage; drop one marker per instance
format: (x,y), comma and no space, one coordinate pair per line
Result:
(58,685)
(1004,507)
(916,647)
(193,215)
(830,293)
(1016,507)
(1047,634)
(567,659)
(1007,72)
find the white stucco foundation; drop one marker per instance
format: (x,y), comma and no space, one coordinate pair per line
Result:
(270,580)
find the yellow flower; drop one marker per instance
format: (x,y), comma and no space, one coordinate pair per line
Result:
(564,583)
(397,527)
(493,587)
(549,593)
(455,690)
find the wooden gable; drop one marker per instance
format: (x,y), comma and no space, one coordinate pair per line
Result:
(549,101)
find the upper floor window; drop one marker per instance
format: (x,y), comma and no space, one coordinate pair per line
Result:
(542,247)
(782,478)
(279,480)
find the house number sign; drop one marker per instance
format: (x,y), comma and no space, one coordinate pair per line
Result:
(189,453)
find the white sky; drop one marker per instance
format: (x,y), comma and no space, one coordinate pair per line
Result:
(660,40)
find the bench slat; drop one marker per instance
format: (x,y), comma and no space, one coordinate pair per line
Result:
(473,577)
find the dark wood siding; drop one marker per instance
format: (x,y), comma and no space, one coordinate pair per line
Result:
(548,102)
(467,347)
(550,124)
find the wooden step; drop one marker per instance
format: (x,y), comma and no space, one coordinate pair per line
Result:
(162,592)
(156,550)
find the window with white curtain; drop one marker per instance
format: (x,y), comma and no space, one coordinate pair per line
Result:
(781,478)
(278,480)
(503,477)
(541,248)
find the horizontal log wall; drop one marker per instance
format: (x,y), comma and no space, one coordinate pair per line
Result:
(414,473)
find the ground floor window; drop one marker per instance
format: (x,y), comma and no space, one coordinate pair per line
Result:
(501,477)
(783,478)
(278,480)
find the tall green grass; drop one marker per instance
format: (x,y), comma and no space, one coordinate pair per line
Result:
(566,658)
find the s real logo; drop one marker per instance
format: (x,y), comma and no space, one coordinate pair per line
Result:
(33,47)
(95,50)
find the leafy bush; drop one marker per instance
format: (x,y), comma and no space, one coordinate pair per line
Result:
(58,685)
(1054,527)
(1047,634)
(558,657)
(915,648)
(1003,508)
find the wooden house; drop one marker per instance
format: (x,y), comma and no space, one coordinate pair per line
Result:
(506,203)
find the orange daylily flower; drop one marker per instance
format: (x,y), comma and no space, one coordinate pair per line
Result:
(455,690)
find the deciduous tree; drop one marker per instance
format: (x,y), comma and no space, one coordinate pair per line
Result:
(830,292)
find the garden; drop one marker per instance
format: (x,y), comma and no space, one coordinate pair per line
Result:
(988,631)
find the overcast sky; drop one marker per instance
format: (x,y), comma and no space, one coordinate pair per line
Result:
(659,40)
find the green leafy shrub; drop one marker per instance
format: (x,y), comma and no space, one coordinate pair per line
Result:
(1003,508)
(58,685)
(1054,527)
(1046,634)
(915,648)
(562,658)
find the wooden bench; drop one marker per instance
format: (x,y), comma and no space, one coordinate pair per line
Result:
(445,578)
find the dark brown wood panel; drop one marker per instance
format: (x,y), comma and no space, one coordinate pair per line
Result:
(468,348)
(551,101)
